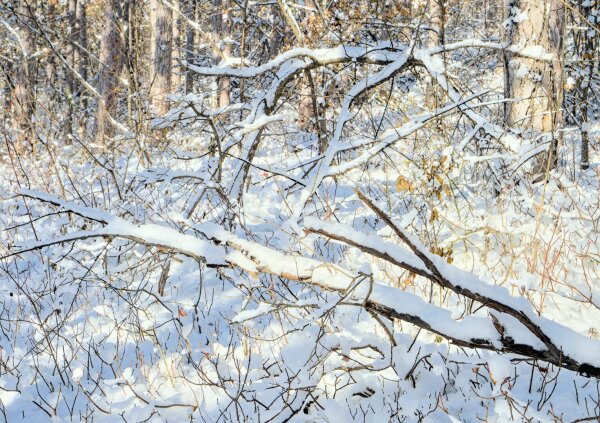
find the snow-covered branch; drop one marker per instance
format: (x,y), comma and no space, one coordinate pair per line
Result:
(380,54)
(515,328)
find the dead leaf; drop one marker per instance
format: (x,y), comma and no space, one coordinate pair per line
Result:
(434,215)
(403,184)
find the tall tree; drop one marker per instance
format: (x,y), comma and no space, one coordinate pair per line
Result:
(222,26)
(436,36)
(71,53)
(111,65)
(535,27)
(176,53)
(586,44)
(74,57)
(161,55)
(81,56)
(23,98)
(190,38)
(306,112)
(437,14)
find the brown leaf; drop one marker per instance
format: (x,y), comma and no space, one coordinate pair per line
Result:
(403,184)
(434,215)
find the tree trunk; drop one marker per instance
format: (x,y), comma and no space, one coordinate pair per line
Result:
(223,28)
(111,65)
(275,41)
(536,85)
(307,109)
(71,50)
(161,52)
(190,37)
(176,73)
(23,100)
(437,14)
(289,18)
(72,56)
(243,48)
(585,46)
(81,60)
(306,115)
(436,9)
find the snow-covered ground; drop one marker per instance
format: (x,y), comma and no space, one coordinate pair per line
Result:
(159,297)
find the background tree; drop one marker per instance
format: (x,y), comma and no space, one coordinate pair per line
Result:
(110,68)
(341,217)
(583,70)
(23,77)
(536,84)
(161,55)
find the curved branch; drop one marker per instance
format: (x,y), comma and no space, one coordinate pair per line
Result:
(381,54)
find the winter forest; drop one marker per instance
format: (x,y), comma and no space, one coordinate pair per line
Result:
(299,211)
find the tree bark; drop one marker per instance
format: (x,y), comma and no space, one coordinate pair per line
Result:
(111,65)
(71,53)
(585,46)
(72,56)
(223,28)
(436,9)
(176,73)
(437,13)
(289,18)
(82,62)
(308,109)
(306,112)
(190,38)
(161,52)
(536,85)
(23,100)
(243,47)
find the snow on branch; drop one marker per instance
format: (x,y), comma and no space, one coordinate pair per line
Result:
(394,135)
(323,168)
(530,52)
(393,59)
(435,67)
(515,328)
(562,346)
(380,54)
